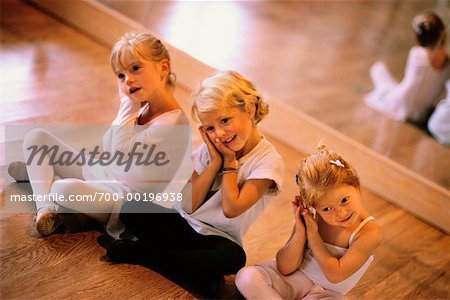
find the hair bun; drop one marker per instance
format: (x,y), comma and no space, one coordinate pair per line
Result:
(428,28)
(419,24)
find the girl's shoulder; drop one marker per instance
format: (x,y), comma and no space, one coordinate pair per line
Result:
(263,156)
(265,149)
(418,50)
(371,233)
(419,55)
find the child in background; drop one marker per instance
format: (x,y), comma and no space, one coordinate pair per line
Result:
(236,173)
(332,242)
(426,71)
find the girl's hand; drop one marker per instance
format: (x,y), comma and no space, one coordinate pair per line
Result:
(311,224)
(216,158)
(229,156)
(122,90)
(298,217)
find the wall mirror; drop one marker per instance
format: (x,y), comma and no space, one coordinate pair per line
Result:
(315,56)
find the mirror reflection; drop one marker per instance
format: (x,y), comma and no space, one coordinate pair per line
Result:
(315,56)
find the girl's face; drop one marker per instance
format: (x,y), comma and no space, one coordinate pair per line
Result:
(340,206)
(140,78)
(233,127)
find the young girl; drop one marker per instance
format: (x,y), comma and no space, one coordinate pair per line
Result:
(141,64)
(426,71)
(332,242)
(236,172)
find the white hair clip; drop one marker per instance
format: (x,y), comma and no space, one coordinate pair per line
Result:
(417,21)
(337,162)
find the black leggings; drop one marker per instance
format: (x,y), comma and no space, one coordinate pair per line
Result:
(171,245)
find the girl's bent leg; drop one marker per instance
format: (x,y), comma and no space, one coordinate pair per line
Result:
(41,170)
(39,147)
(317,292)
(266,282)
(263,282)
(199,262)
(88,198)
(201,256)
(254,282)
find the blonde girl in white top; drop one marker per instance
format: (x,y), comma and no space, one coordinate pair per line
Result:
(332,242)
(145,82)
(236,173)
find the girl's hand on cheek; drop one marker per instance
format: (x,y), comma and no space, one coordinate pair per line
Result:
(311,224)
(216,158)
(299,223)
(123,92)
(229,156)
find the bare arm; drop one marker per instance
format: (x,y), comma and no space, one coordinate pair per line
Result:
(235,201)
(290,256)
(361,249)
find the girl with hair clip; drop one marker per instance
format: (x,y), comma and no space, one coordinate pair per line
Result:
(236,173)
(426,71)
(332,242)
(145,82)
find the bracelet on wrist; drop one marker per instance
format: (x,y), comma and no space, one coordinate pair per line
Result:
(227,170)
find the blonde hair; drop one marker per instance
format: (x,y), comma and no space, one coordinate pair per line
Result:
(320,172)
(225,90)
(142,46)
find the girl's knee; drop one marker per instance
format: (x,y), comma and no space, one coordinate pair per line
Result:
(247,278)
(35,137)
(66,187)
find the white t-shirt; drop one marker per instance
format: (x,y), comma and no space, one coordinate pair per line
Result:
(415,95)
(169,132)
(262,162)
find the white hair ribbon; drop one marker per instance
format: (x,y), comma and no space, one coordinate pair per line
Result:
(337,162)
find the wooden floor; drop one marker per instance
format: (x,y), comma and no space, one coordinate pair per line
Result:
(313,55)
(54,75)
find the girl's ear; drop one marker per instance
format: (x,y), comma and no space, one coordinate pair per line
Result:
(165,68)
(251,111)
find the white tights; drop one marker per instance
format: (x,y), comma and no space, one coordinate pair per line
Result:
(62,180)
(266,282)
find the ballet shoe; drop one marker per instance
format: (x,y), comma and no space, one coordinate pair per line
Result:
(47,221)
(18,171)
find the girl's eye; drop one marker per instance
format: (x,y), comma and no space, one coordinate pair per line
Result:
(135,68)
(120,76)
(326,209)
(210,129)
(225,121)
(345,200)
